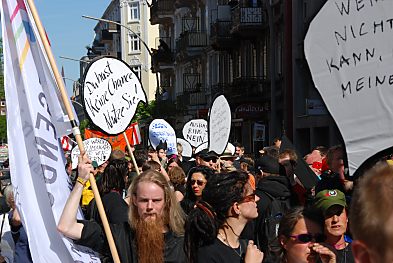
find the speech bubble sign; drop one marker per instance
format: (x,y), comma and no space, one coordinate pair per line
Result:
(349,50)
(97,149)
(111,94)
(219,125)
(195,132)
(160,130)
(202,147)
(187,148)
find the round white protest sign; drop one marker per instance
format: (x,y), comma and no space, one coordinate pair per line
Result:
(97,149)
(195,132)
(162,131)
(201,147)
(219,125)
(187,148)
(111,94)
(349,51)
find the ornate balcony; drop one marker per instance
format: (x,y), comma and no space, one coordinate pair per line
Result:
(250,86)
(191,82)
(161,12)
(247,21)
(191,43)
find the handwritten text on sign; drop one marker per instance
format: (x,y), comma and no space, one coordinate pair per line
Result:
(111,93)
(97,149)
(162,131)
(195,132)
(349,51)
(219,125)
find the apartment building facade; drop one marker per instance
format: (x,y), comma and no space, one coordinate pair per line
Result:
(252,52)
(131,41)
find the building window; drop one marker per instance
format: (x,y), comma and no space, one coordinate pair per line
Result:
(134,43)
(137,71)
(133,11)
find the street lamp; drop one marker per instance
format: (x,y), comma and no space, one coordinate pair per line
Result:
(138,36)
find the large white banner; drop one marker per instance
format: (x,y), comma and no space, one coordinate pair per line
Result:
(349,50)
(219,125)
(41,186)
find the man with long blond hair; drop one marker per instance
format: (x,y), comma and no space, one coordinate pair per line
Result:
(154,232)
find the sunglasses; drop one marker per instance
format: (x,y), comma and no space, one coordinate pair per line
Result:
(198,182)
(305,238)
(208,159)
(248,198)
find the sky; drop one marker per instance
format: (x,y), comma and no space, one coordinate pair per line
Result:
(68,32)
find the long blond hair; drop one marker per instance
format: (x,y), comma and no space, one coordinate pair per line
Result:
(173,216)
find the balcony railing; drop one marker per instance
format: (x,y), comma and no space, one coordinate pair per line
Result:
(198,98)
(191,82)
(246,17)
(191,39)
(161,10)
(221,29)
(250,86)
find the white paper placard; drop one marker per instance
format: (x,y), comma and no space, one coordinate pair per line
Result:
(195,132)
(219,125)
(97,149)
(111,94)
(187,148)
(162,131)
(349,50)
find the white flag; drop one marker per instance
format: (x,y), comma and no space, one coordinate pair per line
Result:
(36,158)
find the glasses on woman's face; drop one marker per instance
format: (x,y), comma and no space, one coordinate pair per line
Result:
(198,182)
(305,238)
(248,198)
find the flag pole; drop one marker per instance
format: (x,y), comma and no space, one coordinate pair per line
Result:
(75,128)
(131,154)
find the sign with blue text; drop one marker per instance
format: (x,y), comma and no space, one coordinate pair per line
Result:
(161,131)
(349,50)
(111,94)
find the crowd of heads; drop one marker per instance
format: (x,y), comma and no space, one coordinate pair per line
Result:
(200,199)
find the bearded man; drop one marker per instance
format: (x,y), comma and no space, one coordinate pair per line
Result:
(155,229)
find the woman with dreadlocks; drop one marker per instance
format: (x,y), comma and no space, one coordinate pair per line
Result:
(214,226)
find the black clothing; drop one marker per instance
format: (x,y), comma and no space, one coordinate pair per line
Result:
(93,236)
(329,181)
(277,187)
(116,209)
(344,255)
(220,252)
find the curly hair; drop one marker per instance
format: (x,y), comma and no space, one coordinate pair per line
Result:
(209,215)
(177,176)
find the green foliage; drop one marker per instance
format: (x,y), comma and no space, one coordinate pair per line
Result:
(83,125)
(145,112)
(3,128)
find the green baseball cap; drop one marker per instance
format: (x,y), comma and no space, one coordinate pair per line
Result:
(327,198)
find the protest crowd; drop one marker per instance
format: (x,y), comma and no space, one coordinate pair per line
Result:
(194,199)
(229,208)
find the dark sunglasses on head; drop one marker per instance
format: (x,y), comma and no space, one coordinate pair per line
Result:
(198,182)
(248,198)
(305,238)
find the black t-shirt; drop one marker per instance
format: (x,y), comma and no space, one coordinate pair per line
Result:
(93,237)
(344,255)
(219,252)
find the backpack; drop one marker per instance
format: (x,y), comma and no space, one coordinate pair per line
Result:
(268,226)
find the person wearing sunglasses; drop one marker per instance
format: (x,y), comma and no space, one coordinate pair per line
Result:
(300,238)
(333,207)
(213,227)
(196,182)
